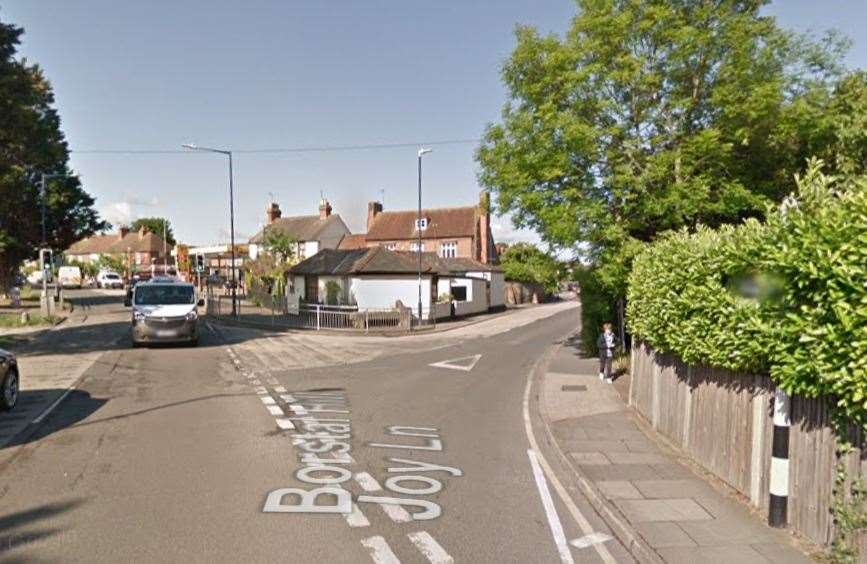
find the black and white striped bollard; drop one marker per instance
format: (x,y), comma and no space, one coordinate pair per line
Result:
(779,486)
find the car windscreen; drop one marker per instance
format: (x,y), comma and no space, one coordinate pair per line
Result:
(112,276)
(164,294)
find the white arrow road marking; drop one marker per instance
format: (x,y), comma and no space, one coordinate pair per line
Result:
(380,552)
(458,363)
(590,540)
(430,548)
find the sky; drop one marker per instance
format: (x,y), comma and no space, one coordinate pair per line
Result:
(292,74)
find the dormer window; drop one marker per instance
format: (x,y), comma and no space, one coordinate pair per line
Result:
(421,224)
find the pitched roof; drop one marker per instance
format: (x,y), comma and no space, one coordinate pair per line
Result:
(459,265)
(350,241)
(114,243)
(443,222)
(300,227)
(375,260)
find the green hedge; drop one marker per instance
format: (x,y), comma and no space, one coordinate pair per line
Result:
(787,296)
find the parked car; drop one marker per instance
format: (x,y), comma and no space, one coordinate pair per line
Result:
(69,277)
(9,382)
(164,310)
(109,279)
(35,278)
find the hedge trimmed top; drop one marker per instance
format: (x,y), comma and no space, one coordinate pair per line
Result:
(787,297)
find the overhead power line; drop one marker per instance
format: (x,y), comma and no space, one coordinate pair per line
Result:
(278,150)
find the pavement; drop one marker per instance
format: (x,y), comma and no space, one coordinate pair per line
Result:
(52,360)
(671,512)
(263,447)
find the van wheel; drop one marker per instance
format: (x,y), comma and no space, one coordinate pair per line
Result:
(194,342)
(9,391)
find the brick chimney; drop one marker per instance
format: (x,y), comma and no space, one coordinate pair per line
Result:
(122,232)
(485,238)
(272,213)
(142,232)
(324,209)
(373,209)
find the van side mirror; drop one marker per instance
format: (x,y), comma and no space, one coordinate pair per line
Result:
(201,302)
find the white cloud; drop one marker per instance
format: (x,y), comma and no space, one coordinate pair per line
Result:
(118,213)
(505,232)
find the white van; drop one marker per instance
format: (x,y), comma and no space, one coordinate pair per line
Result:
(69,277)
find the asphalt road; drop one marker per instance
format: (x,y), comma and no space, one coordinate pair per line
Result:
(170,454)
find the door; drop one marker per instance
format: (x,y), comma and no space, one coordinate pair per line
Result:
(311,289)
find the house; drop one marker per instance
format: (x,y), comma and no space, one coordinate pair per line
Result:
(311,233)
(461,232)
(377,278)
(140,249)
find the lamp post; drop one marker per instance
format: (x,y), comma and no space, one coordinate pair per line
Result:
(193,147)
(421,152)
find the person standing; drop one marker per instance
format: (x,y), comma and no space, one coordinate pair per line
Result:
(606,344)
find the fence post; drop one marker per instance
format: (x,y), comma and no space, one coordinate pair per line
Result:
(779,486)
(317,317)
(366,320)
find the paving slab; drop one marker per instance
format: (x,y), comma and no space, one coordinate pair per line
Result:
(712,555)
(619,489)
(664,534)
(647,510)
(619,472)
(589,458)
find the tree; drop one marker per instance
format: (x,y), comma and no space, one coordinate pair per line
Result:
(654,115)
(113,263)
(155,226)
(279,244)
(32,144)
(524,262)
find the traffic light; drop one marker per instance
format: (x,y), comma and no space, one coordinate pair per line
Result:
(200,263)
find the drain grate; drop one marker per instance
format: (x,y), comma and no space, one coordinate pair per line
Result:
(576,388)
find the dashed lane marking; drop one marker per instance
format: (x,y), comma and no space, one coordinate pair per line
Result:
(380,552)
(275,410)
(285,424)
(430,548)
(395,512)
(356,518)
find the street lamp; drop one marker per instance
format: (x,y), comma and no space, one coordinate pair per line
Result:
(421,152)
(194,147)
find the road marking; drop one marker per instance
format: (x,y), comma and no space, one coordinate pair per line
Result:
(261,390)
(590,540)
(275,410)
(268,400)
(280,389)
(298,408)
(430,548)
(395,512)
(287,398)
(356,518)
(550,511)
(380,552)
(367,482)
(579,518)
(458,363)
(285,424)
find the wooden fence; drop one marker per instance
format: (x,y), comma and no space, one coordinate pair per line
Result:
(724,421)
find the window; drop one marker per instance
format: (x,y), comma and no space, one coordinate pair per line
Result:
(414,247)
(449,250)
(421,223)
(459,293)
(391,246)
